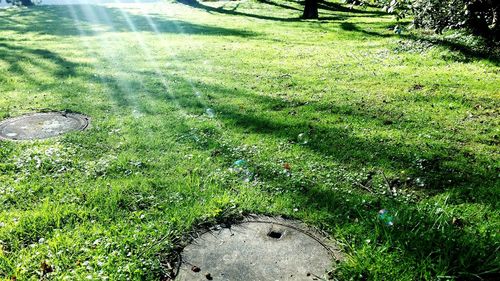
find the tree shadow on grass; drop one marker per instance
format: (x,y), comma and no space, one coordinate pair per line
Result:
(196,4)
(18,58)
(269,2)
(489,53)
(330,6)
(485,53)
(32,67)
(298,18)
(323,5)
(419,237)
(76,20)
(442,166)
(352,27)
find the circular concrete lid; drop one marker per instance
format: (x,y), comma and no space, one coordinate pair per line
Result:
(264,250)
(42,125)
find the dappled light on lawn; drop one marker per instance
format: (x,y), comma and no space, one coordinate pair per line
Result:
(384,138)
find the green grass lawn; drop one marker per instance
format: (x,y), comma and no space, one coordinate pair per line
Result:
(407,123)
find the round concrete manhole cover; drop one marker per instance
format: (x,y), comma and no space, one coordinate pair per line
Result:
(42,125)
(263,249)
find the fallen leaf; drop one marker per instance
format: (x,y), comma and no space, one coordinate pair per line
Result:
(286,166)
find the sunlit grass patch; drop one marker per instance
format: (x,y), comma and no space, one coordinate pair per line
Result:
(335,119)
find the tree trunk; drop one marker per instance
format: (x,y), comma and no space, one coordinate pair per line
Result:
(496,22)
(26,3)
(477,20)
(310,9)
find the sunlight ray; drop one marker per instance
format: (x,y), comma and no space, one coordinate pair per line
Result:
(148,55)
(83,36)
(181,32)
(154,28)
(109,54)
